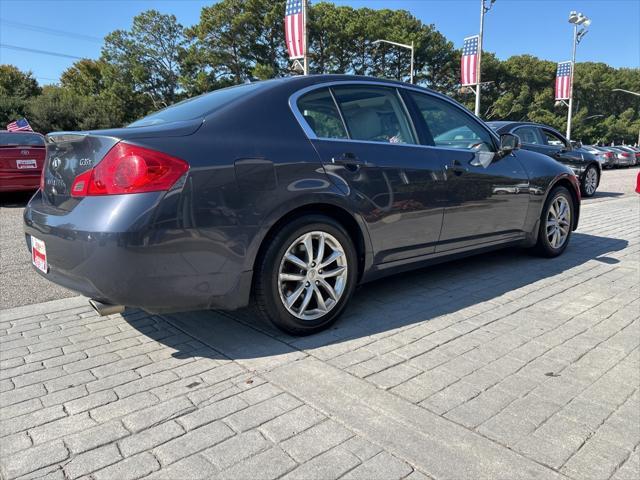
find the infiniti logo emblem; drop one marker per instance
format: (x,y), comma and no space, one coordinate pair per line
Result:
(55,163)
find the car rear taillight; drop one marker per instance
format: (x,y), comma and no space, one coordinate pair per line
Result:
(608,155)
(129,169)
(625,155)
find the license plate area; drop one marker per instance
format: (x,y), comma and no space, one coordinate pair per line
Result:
(28,164)
(39,255)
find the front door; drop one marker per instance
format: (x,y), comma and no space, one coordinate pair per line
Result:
(487,197)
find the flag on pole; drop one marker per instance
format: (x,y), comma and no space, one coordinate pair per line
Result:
(469,62)
(563,81)
(294,28)
(20,126)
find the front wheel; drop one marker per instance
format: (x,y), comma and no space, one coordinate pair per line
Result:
(556,223)
(590,181)
(306,275)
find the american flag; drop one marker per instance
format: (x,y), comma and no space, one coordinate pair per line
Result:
(563,81)
(469,62)
(294,26)
(20,126)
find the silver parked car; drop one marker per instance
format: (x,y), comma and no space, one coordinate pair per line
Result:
(606,158)
(623,157)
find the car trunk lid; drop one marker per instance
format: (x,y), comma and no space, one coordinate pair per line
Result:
(70,154)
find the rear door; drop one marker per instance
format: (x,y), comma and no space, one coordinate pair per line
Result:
(487,197)
(370,150)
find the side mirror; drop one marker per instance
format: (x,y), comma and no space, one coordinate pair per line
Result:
(576,144)
(508,143)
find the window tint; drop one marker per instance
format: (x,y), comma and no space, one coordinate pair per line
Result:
(197,107)
(21,139)
(528,135)
(321,114)
(374,114)
(449,126)
(553,139)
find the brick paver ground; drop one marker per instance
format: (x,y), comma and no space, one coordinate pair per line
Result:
(500,366)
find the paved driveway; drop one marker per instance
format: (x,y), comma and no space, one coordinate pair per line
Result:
(501,366)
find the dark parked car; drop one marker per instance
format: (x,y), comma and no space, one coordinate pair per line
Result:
(544,139)
(21,159)
(290,191)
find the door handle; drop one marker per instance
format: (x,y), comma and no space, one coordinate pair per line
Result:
(350,160)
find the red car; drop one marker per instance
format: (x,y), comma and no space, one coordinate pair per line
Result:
(21,159)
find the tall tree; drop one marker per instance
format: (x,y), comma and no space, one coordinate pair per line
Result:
(16,88)
(150,53)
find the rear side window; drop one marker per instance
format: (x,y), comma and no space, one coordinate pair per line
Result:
(8,139)
(374,114)
(449,126)
(528,135)
(197,107)
(320,112)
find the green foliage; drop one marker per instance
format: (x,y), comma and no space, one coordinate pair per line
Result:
(158,62)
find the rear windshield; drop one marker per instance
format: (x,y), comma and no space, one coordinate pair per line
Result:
(197,107)
(8,139)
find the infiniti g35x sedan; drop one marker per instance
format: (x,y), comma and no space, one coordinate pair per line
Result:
(287,194)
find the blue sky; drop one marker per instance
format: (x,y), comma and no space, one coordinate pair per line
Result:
(538,27)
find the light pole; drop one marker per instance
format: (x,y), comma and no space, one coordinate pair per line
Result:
(483,9)
(637,94)
(401,45)
(576,19)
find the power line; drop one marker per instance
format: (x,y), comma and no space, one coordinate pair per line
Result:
(50,31)
(43,52)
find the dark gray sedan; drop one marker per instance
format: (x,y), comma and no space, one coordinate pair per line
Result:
(289,192)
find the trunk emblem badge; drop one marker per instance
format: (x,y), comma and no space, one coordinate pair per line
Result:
(24,152)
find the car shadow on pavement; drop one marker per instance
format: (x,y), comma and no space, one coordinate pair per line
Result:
(599,194)
(453,288)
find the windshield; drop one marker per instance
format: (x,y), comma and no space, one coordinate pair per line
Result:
(22,139)
(197,107)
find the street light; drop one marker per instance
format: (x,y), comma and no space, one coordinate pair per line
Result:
(401,45)
(483,9)
(577,19)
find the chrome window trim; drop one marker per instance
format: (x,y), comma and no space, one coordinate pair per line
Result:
(293,105)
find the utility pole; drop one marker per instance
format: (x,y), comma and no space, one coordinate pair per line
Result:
(577,19)
(306,42)
(483,9)
(482,12)
(573,69)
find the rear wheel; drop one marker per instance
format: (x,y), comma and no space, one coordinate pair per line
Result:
(590,181)
(555,223)
(306,275)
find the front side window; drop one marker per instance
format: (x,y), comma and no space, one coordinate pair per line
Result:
(450,127)
(374,114)
(321,114)
(528,135)
(552,139)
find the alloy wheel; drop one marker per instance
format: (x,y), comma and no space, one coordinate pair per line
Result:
(313,275)
(591,181)
(558,223)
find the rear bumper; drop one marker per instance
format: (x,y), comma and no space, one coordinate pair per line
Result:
(18,182)
(110,249)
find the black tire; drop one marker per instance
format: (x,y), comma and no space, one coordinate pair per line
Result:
(543,246)
(583,188)
(266,285)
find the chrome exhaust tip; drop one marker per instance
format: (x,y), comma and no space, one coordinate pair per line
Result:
(104,309)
